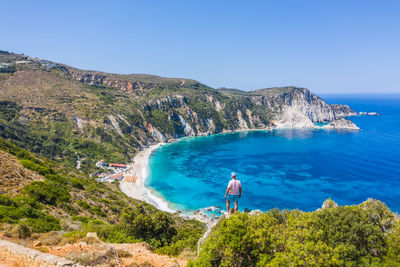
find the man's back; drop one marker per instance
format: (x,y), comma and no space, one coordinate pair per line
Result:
(234,186)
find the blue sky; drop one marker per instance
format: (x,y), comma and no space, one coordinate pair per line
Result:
(326,46)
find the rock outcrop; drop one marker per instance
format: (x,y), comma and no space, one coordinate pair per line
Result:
(341,123)
(329,203)
(343,111)
(22,256)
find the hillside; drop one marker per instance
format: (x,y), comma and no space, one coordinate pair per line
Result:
(41,196)
(63,113)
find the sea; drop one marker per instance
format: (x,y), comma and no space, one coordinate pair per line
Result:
(290,168)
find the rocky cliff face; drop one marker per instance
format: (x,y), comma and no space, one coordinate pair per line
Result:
(100,79)
(341,123)
(296,108)
(343,110)
(212,113)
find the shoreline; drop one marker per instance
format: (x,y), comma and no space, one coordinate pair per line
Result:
(139,168)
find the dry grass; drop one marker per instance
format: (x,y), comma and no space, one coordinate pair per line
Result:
(43,249)
(52,238)
(13,176)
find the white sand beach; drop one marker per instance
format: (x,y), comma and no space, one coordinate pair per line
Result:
(138,171)
(134,187)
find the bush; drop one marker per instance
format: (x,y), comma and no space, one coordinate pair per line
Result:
(27,213)
(84,204)
(360,235)
(7,201)
(43,225)
(98,211)
(156,228)
(56,178)
(41,169)
(392,257)
(81,219)
(22,154)
(75,182)
(9,69)
(47,192)
(23,230)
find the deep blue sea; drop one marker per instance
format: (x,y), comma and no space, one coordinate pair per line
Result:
(288,169)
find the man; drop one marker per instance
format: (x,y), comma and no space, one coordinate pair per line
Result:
(235,192)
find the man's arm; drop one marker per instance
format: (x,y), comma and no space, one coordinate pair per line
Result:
(227,191)
(240,190)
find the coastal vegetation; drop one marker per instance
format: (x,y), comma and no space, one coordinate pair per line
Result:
(361,235)
(66,199)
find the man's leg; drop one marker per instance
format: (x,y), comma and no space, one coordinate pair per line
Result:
(236,206)
(227,205)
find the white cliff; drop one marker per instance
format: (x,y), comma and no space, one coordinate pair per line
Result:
(341,123)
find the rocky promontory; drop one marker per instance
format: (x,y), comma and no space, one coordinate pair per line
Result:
(343,110)
(341,123)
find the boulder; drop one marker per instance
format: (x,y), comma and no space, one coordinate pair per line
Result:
(341,124)
(329,203)
(37,243)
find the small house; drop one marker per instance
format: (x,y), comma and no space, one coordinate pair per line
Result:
(116,176)
(117,165)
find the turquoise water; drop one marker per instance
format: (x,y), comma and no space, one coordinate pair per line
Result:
(287,169)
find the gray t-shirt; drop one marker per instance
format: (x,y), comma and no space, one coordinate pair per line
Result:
(234,186)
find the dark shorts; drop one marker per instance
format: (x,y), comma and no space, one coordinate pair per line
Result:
(234,198)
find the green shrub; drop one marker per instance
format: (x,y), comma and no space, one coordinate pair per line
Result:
(41,169)
(103,200)
(43,225)
(98,211)
(7,201)
(84,204)
(22,154)
(56,178)
(157,228)
(360,235)
(81,219)
(28,214)
(10,214)
(75,182)
(392,258)
(23,230)
(47,192)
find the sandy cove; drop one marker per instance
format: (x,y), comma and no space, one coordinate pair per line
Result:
(138,170)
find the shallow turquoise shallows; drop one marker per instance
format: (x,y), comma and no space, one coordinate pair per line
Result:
(287,169)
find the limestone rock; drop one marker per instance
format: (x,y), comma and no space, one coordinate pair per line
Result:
(341,123)
(343,110)
(329,203)
(255,212)
(37,243)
